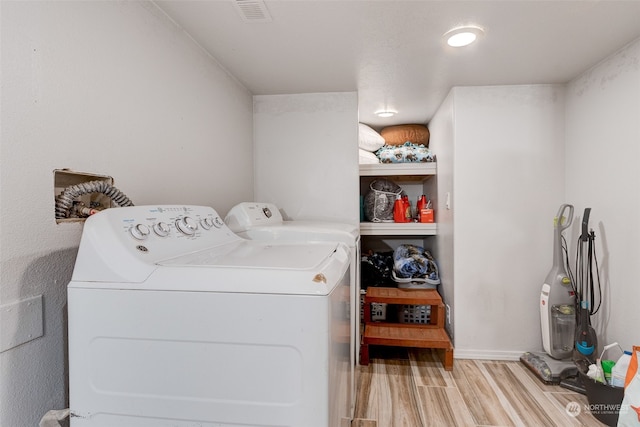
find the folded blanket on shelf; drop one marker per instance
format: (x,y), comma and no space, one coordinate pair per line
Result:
(406,153)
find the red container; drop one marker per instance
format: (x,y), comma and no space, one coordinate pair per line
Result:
(407,208)
(420,204)
(399,210)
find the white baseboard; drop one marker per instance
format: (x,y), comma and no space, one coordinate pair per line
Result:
(487,354)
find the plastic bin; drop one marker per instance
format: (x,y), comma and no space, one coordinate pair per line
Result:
(414,314)
(604,400)
(378,310)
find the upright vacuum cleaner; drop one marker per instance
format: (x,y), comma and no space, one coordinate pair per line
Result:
(557,312)
(586,341)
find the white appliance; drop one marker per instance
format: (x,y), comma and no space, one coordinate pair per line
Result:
(174,320)
(264,222)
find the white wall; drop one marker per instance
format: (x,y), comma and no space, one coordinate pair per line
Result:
(111,88)
(508,182)
(306,155)
(442,142)
(602,172)
(511,155)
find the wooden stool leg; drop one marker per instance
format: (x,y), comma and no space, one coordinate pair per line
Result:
(364,348)
(437,318)
(364,354)
(446,356)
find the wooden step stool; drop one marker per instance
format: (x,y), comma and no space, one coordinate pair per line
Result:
(431,335)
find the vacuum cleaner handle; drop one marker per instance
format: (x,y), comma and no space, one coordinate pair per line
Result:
(585,225)
(564,221)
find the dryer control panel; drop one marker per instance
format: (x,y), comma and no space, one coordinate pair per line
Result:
(246,215)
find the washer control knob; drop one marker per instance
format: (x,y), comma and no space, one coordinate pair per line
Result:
(162,229)
(206,223)
(218,222)
(140,231)
(187,225)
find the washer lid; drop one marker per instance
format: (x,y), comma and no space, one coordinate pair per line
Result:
(258,255)
(250,267)
(263,221)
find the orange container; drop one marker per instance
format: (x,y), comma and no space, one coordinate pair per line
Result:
(399,210)
(426,215)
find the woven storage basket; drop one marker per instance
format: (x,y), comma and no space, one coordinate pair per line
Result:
(378,203)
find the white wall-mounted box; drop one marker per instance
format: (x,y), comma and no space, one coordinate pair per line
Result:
(20,322)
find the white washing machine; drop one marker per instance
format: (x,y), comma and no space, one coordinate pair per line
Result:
(264,222)
(174,320)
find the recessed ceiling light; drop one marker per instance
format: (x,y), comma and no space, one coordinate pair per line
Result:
(386,113)
(463,36)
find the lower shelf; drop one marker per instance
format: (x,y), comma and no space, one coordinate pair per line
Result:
(407,335)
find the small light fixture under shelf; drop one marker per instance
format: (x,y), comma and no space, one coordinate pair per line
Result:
(386,113)
(462,36)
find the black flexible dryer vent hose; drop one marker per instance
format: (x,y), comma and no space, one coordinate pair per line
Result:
(64,201)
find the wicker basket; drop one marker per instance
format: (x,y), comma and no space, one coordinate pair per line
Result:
(379,201)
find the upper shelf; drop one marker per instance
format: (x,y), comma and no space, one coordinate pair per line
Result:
(398,229)
(398,169)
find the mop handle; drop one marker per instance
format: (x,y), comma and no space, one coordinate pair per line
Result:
(585,225)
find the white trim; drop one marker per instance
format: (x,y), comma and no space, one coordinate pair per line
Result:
(399,169)
(487,354)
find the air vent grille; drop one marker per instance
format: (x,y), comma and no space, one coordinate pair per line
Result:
(252,10)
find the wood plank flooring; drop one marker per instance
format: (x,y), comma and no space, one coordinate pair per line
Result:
(411,389)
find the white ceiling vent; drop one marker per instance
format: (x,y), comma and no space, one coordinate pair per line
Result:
(252,10)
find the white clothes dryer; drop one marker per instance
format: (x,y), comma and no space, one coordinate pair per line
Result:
(264,222)
(174,320)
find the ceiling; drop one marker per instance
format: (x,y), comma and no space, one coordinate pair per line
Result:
(391,51)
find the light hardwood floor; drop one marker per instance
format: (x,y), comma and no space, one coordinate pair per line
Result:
(411,389)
